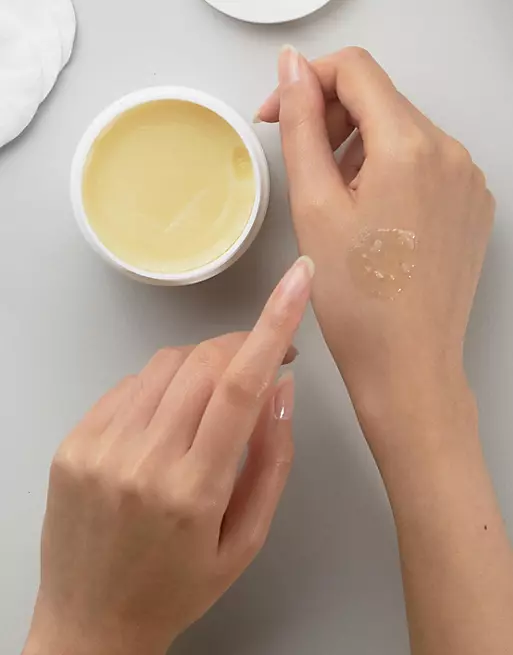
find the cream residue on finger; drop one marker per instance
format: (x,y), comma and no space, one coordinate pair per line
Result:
(382,262)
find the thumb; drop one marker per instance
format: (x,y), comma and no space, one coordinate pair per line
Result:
(314,177)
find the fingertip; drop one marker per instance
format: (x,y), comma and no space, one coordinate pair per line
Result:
(289,64)
(293,67)
(284,398)
(269,112)
(288,303)
(302,105)
(291,356)
(310,265)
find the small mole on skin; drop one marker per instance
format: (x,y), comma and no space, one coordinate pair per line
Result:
(486,527)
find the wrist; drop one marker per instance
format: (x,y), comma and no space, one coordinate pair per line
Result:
(425,440)
(416,410)
(55,634)
(40,642)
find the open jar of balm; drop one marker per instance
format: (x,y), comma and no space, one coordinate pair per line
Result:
(170,186)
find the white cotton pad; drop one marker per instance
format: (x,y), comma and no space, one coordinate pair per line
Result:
(267,11)
(42,30)
(66,20)
(20,78)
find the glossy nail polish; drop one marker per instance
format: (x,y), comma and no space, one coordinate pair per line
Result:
(284,398)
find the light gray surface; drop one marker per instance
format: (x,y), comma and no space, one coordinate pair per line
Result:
(328,580)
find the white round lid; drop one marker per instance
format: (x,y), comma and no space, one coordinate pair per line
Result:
(267,11)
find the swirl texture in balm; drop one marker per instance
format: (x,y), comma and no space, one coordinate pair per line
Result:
(168,186)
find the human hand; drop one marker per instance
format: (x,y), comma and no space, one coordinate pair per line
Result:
(398,228)
(398,231)
(148,521)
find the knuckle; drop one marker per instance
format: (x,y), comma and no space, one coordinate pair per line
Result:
(131,486)
(277,321)
(139,485)
(128,382)
(354,54)
(132,385)
(457,155)
(232,342)
(166,357)
(71,468)
(301,115)
(255,543)
(96,473)
(417,145)
(480,178)
(138,388)
(311,207)
(189,506)
(140,393)
(243,390)
(167,353)
(211,354)
(64,465)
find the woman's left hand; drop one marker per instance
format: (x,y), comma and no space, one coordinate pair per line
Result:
(149,520)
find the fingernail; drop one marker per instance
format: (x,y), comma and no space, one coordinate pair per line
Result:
(291,356)
(293,353)
(308,262)
(289,65)
(298,278)
(271,106)
(284,398)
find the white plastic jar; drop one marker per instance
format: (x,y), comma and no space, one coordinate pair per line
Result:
(260,171)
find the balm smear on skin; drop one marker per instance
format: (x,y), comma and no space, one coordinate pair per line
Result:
(169,187)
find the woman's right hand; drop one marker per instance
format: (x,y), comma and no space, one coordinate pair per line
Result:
(151,515)
(398,229)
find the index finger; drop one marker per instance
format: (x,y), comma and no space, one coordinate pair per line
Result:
(233,412)
(363,88)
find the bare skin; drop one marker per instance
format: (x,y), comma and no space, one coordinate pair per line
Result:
(403,359)
(148,520)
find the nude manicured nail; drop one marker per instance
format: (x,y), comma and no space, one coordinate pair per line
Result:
(291,356)
(256,118)
(289,66)
(297,279)
(284,398)
(293,353)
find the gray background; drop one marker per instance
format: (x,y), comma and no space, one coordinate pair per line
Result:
(328,581)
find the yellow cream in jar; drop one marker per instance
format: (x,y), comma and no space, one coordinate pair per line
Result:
(168,187)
